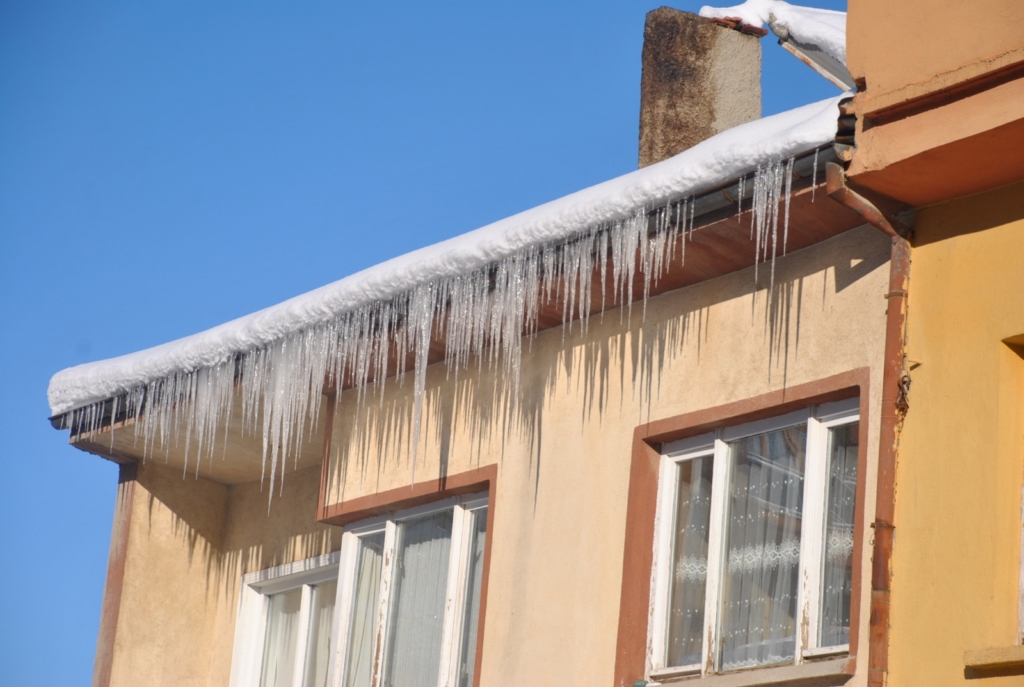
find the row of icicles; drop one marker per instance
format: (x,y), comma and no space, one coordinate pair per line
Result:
(481,315)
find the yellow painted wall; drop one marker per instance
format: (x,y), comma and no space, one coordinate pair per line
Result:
(560,508)
(961,457)
(910,48)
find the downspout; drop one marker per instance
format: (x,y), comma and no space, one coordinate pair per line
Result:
(895,386)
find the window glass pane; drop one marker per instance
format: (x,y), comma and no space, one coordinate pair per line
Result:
(759,594)
(689,563)
(318,647)
(417,600)
(281,638)
(365,602)
(471,614)
(837,570)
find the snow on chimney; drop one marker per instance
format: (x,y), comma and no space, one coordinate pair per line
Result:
(699,79)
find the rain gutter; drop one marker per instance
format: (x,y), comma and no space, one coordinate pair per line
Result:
(813,56)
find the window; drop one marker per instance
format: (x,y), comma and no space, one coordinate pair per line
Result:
(410,596)
(284,630)
(743,516)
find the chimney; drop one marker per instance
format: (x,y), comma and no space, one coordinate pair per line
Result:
(698,79)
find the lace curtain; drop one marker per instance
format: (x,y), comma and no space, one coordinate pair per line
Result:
(765,503)
(837,570)
(689,562)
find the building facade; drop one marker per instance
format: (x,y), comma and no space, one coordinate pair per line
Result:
(719,474)
(938,116)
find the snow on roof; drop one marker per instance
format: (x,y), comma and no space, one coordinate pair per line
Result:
(825,29)
(720,159)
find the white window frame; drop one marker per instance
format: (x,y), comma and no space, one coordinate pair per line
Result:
(254,605)
(819,420)
(455,600)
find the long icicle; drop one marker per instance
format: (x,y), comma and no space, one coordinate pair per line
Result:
(481,315)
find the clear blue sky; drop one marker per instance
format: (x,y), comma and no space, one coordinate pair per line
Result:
(165,167)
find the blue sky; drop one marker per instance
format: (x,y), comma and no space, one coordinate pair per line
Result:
(165,167)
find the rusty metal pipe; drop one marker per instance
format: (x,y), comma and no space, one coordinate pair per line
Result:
(835,184)
(895,383)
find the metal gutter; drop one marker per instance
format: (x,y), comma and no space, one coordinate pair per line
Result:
(814,57)
(723,197)
(820,62)
(835,184)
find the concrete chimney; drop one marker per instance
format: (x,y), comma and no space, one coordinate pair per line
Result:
(698,79)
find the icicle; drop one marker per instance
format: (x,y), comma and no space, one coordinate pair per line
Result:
(739,199)
(814,175)
(675,236)
(757,215)
(693,213)
(481,315)
(113,419)
(765,212)
(789,188)
(421,321)
(775,229)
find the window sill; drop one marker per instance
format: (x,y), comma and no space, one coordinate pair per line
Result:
(995,661)
(828,673)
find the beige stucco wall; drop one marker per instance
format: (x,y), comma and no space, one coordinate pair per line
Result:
(189,543)
(961,457)
(560,510)
(563,463)
(166,620)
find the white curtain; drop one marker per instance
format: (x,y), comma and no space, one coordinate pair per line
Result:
(281,637)
(759,595)
(471,618)
(418,596)
(837,571)
(318,647)
(689,562)
(363,627)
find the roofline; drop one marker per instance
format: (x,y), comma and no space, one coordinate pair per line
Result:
(717,198)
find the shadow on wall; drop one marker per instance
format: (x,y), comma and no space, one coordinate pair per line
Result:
(226,530)
(620,362)
(615,363)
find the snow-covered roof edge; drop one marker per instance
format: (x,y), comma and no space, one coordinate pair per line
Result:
(825,29)
(724,157)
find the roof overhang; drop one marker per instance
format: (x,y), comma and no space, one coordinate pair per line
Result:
(719,244)
(950,143)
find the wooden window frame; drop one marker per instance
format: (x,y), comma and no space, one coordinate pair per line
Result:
(638,578)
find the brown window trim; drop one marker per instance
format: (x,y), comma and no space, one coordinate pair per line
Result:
(483,479)
(116,561)
(418,494)
(637,561)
